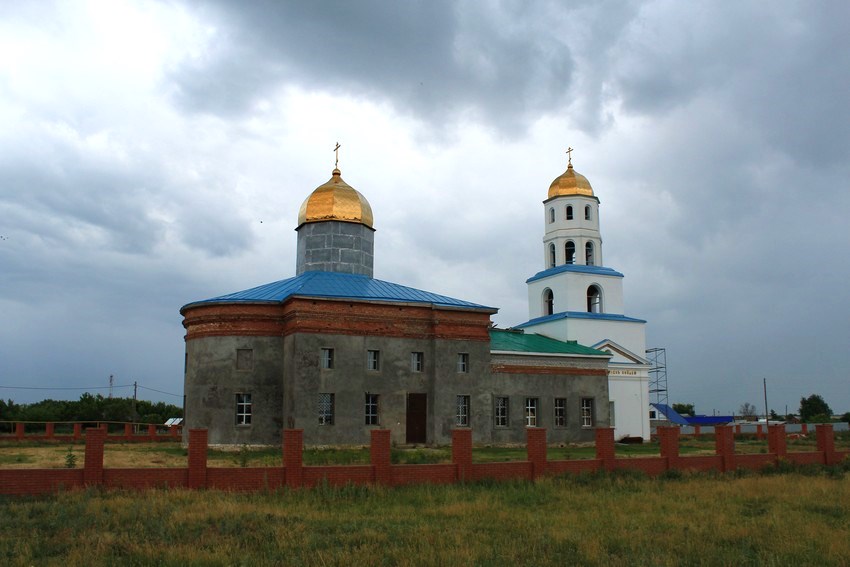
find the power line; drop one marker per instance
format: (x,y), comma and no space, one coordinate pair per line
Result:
(58,388)
(91,388)
(160,391)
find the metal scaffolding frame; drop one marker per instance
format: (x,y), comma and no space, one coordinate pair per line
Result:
(657,375)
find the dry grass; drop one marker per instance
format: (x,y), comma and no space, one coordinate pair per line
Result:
(788,519)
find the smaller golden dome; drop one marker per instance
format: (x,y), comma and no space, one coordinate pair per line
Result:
(570,183)
(336,200)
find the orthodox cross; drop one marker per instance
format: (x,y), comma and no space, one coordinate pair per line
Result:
(569,156)
(336,152)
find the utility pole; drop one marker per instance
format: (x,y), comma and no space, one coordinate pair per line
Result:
(766,411)
(135,397)
(111,381)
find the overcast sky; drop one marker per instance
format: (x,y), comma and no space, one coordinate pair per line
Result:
(156,153)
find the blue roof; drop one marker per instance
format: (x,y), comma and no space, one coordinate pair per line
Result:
(578,315)
(671,414)
(578,268)
(338,286)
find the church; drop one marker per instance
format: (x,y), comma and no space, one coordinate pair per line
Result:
(336,353)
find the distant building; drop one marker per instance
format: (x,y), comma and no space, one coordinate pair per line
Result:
(337,353)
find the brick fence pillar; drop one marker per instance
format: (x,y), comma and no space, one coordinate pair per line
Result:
(152,431)
(93,464)
(804,428)
(759,432)
(198,440)
(536,447)
(293,448)
(668,438)
(776,441)
(605,447)
(697,431)
(19,430)
(724,444)
(174,430)
(49,429)
(128,430)
(826,443)
(738,429)
(462,452)
(380,453)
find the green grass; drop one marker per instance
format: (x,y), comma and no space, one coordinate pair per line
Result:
(591,519)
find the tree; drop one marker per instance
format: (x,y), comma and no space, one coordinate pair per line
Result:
(846,417)
(748,410)
(775,416)
(812,407)
(684,409)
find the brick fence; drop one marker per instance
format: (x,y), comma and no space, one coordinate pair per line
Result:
(293,473)
(130,433)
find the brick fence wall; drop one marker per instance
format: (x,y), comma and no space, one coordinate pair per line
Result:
(130,432)
(293,474)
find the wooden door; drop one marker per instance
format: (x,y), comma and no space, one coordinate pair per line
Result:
(417,412)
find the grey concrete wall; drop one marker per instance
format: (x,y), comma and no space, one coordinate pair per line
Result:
(287,378)
(212,382)
(334,246)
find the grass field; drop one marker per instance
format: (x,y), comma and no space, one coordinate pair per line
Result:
(118,455)
(796,518)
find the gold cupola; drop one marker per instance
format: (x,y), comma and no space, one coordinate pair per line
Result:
(336,200)
(570,183)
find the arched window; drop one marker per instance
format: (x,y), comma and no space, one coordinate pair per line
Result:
(594,299)
(551,255)
(569,212)
(551,216)
(548,302)
(588,253)
(587,212)
(570,250)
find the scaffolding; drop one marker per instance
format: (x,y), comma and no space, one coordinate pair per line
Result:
(657,375)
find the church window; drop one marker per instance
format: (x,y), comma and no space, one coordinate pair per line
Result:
(244,359)
(560,412)
(326,409)
(569,212)
(594,299)
(244,409)
(551,255)
(587,412)
(548,302)
(417,361)
(463,362)
(371,409)
(587,212)
(501,412)
(531,412)
(373,360)
(551,215)
(570,252)
(588,253)
(327,358)
(462,411)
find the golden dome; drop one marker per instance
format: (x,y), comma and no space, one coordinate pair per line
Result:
(335,200)
(570,183)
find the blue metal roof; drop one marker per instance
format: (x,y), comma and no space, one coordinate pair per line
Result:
(578,268)
(578,315)
(671,414)
(339,286)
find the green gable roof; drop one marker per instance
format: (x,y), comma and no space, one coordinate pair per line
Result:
(518,341)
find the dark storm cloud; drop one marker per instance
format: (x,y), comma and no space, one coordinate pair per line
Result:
(437,60)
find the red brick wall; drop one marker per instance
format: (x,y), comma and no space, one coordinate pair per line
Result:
(295,475)
(337,317)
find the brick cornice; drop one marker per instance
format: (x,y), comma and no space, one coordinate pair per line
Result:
(519,369)
(299,315)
